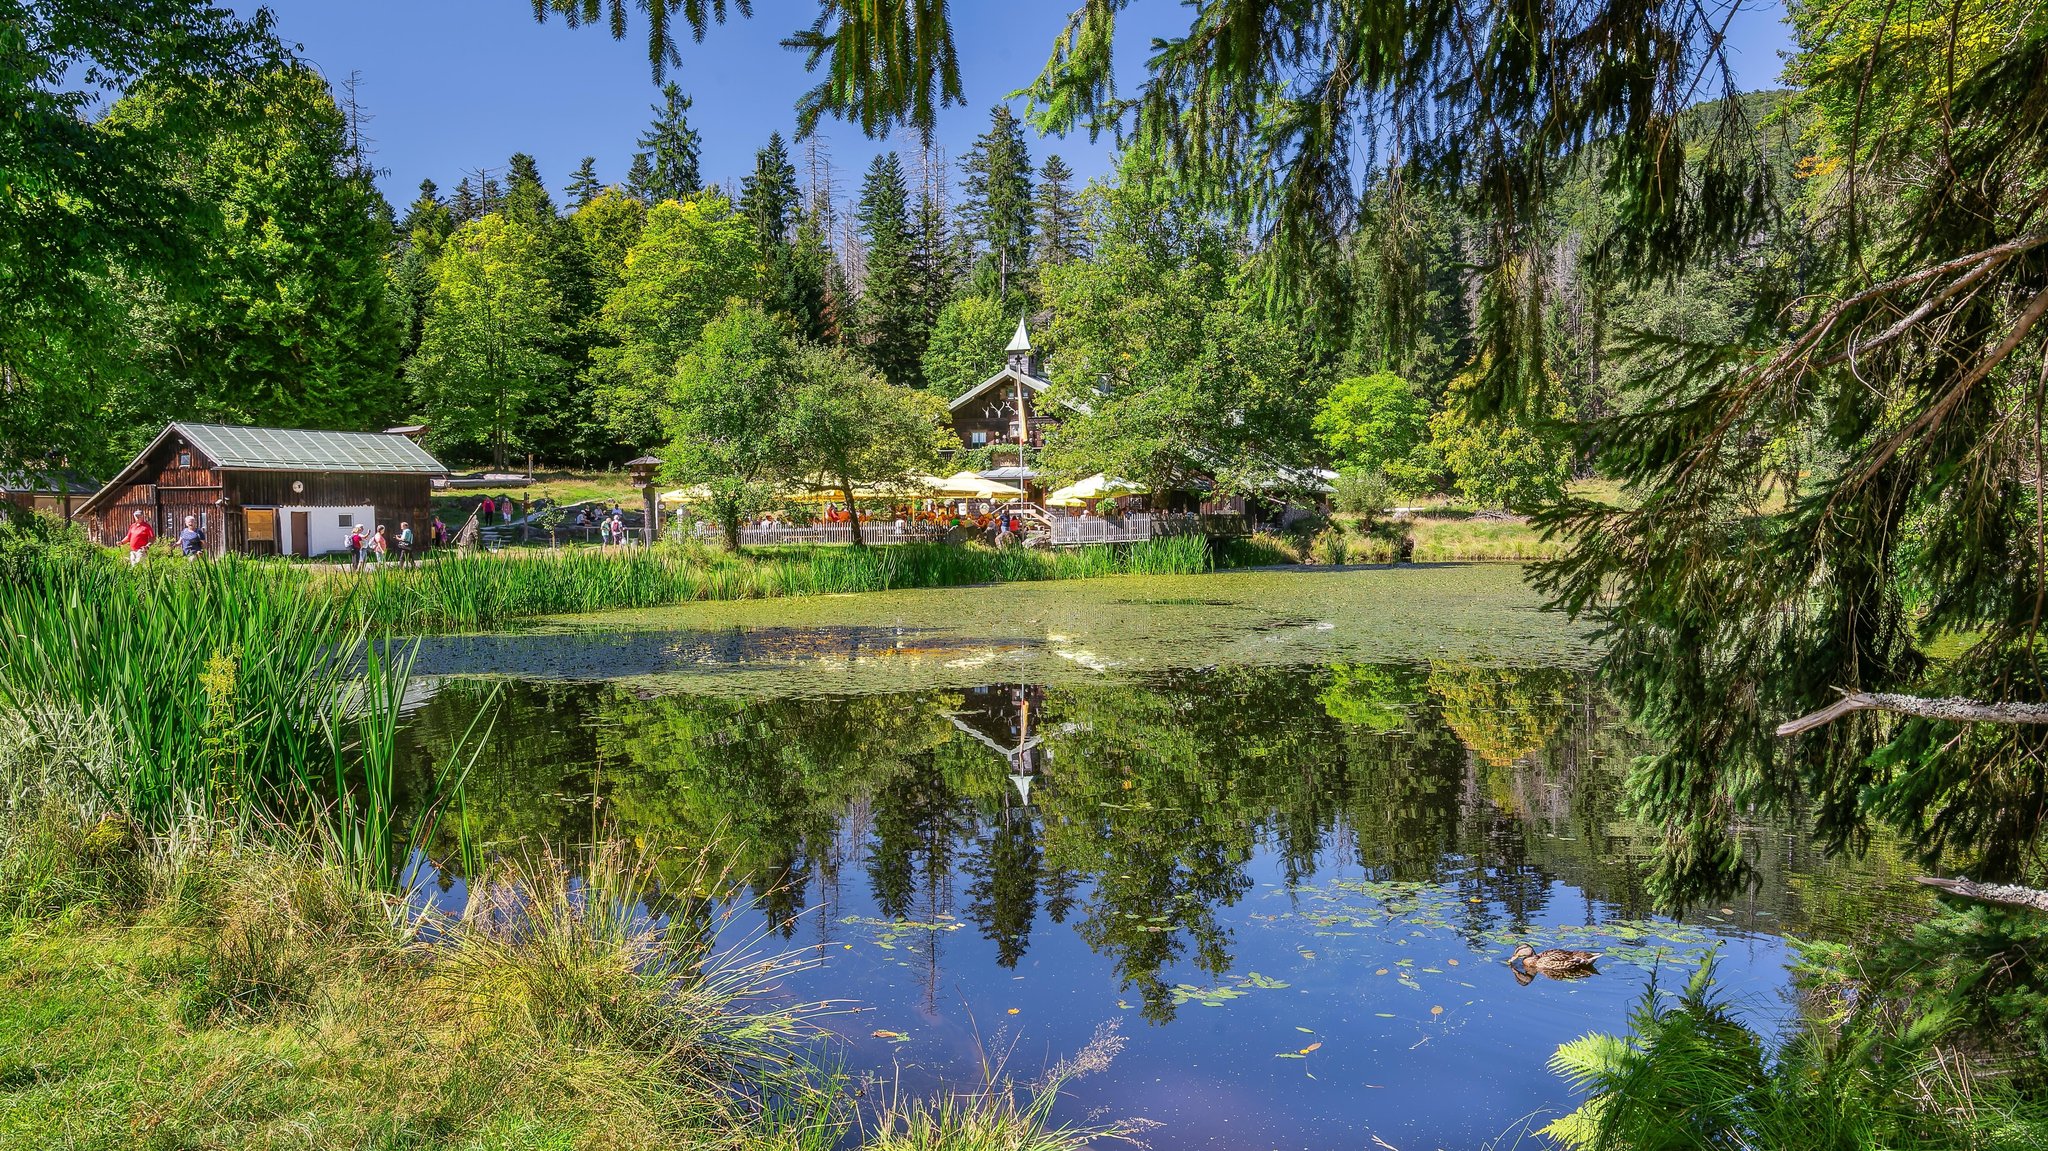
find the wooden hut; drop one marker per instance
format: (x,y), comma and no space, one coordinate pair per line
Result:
(270,491)
(56,493)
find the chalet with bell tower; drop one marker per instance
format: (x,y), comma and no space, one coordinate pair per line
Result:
(1005,408)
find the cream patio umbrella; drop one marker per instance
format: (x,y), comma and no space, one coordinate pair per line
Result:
(1095,487)
(967,485)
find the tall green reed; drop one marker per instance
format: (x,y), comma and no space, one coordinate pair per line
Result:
(231,697)
(479,591)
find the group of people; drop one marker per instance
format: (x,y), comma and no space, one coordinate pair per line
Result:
(191,541)
(380,546)
(611,523)
(494,509)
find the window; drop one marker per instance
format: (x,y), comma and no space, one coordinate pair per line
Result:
(184,459)
(980,439)
(348,519)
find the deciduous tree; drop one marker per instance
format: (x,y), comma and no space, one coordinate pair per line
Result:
(726,414)
(485,355)
(692,258)
(849,429)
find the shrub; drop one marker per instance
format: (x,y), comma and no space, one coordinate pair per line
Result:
(1329,547)
(34,546)
(1365,494)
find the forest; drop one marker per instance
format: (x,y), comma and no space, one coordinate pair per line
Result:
(582,322)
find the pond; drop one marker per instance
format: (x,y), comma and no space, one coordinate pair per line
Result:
(1281,829)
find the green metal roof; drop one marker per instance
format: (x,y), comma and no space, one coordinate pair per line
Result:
(284,449)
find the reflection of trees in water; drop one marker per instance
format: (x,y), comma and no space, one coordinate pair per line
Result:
(1148,803)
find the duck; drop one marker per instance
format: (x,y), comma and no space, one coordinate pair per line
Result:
(1557,963)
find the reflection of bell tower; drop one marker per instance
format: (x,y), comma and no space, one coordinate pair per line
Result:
(1005,720)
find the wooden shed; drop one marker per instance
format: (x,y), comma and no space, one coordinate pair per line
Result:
(270,491)
(57,493)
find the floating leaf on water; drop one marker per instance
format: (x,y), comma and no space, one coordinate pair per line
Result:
(885,1033)
(1381,971)
(1316,1046)
(1386,1015)
(1452,962)
(1437,1010)
(1288,1055)
(1015,1010)
(1306,1030)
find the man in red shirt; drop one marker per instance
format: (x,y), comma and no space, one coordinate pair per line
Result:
(140,536)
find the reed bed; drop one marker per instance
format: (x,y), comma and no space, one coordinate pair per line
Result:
(467,592)
(206,693)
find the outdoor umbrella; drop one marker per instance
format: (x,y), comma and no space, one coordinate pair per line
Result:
(1095,487)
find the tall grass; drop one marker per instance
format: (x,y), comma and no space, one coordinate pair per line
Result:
(478,591)
(207,694)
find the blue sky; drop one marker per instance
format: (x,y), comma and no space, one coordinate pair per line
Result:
(459,85)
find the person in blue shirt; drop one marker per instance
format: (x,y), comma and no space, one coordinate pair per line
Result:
(192,541)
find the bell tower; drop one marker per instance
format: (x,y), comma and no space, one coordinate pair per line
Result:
(1017,357)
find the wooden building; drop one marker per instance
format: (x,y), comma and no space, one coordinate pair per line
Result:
(57,493)
(270,491)
(987,413)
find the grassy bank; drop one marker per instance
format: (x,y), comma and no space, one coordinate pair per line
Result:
(214,990)
(470,591)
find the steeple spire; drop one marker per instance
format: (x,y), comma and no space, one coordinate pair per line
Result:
(1021,342)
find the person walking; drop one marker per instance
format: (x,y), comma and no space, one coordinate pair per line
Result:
(140,536)
(355,548)
(405,544)
(379,546)
(487,510)
(192,541)
(618,527)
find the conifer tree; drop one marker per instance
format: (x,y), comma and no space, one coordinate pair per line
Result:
(418,241)
(640,180)
(463,207)
(995,214)
(526,197)
(670,147)
(1059,215)
(770,199)
(936,262)
(584,185)
(559,423)
(427,212)
(891,308)
(768,195)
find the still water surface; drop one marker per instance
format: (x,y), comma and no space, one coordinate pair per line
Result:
(1281,829)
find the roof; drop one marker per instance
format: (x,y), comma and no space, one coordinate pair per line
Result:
(1007,374)
(286,450)
(283,449)
(1021,342)
(44,482)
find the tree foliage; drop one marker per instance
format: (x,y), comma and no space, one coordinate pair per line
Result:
(691,258)
(726,412)
(848,428)
(485,356)
(669,147)
(967,344)
(1169,372)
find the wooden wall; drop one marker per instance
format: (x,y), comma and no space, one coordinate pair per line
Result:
(167,491)
(396,498)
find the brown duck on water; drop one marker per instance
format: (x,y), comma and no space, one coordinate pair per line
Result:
(1557,963)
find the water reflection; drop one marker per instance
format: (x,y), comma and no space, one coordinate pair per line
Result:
(1130,812)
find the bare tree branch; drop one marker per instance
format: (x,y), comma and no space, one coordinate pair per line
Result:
(1954,709)
(2003,893)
